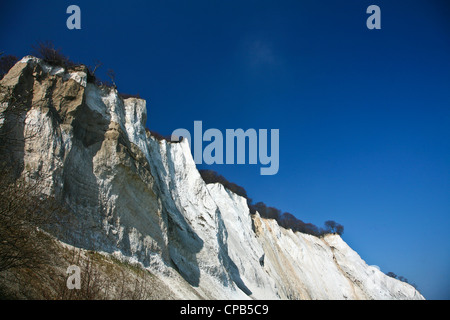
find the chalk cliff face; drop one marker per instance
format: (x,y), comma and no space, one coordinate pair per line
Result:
(141,199)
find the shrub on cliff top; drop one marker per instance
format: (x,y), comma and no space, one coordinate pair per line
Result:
(46,51)
(6,63)
(210,176)
(285,220)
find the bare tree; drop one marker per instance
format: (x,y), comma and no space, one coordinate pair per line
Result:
(112,76)
(24,214)
(51,55)
(333,227)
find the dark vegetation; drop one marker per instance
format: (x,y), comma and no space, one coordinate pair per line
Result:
(210,176)
(401,278)
(161,137)
(157,135)
(53,56)
(126,96)
(285,220)
(24,212)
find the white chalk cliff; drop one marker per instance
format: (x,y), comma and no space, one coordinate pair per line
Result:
(144,200)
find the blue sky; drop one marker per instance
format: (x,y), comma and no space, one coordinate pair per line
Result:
(364,115)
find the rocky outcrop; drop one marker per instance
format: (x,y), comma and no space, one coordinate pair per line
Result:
(141,199)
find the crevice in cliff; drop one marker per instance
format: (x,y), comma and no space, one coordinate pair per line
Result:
(351,282)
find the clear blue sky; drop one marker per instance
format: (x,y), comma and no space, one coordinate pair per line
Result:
(364,115)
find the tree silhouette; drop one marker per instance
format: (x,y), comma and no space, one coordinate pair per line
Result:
(333,227)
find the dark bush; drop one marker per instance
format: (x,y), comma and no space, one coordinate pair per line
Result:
(392,275)
(333,227)
(289,221)
(401,278)
(157,135)
(54,57)
(267,212)
(126,96)
(6,63)
(160,137)
(91,77)
(210,176)
(285,220)
(47,52)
